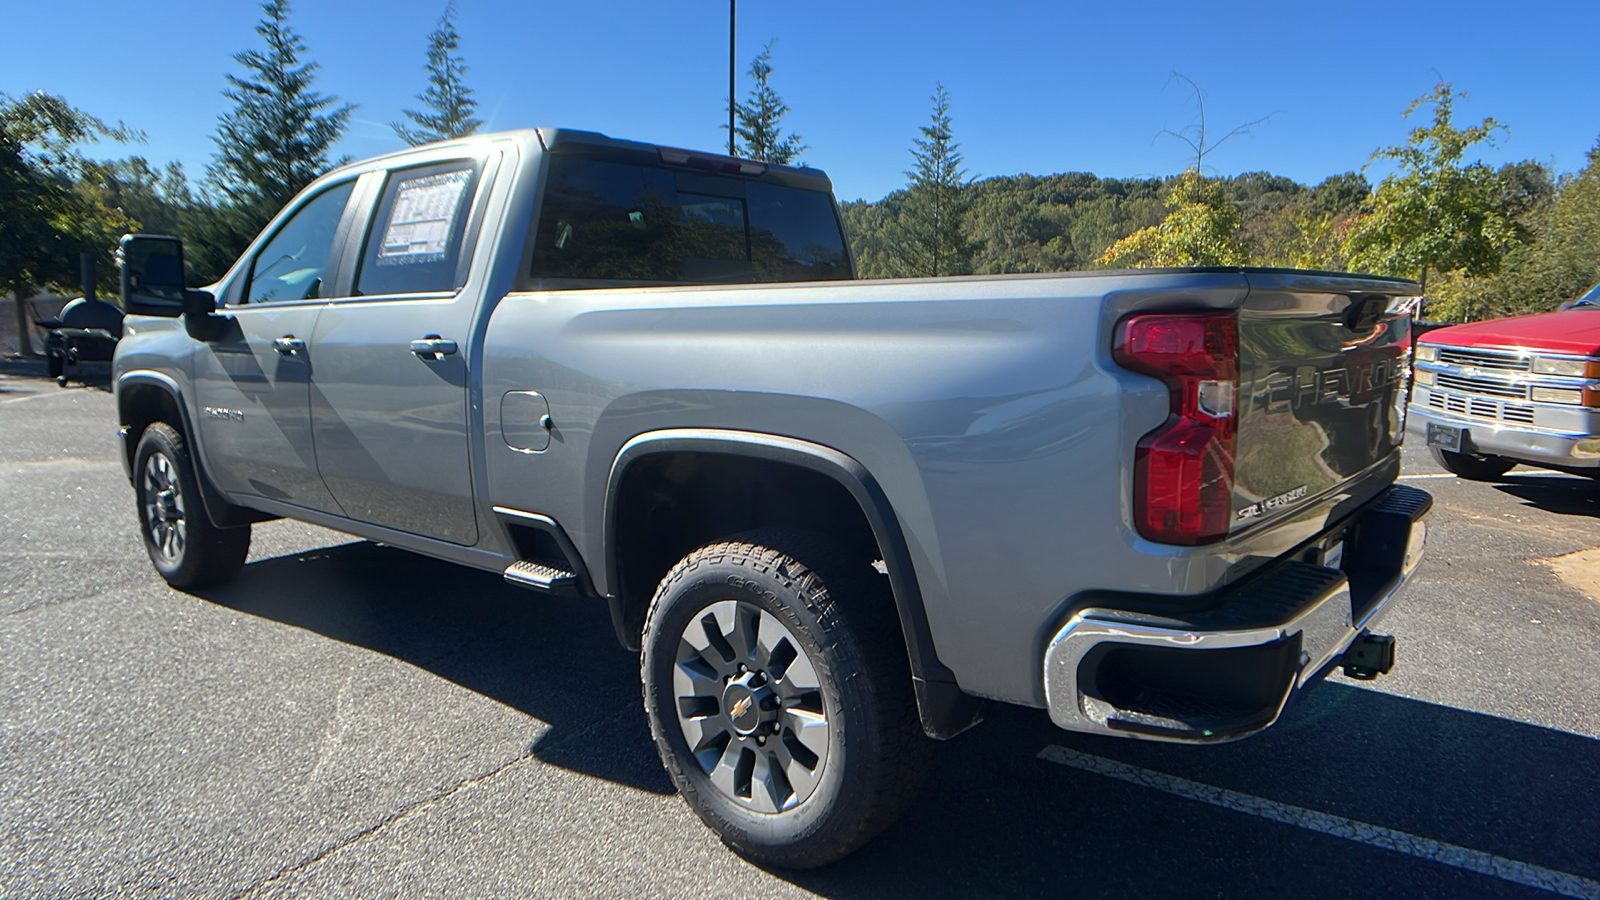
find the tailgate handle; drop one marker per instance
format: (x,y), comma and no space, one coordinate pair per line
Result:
(433,347)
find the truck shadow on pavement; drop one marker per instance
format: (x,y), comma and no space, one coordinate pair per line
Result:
(552,658)
(1566,495)
(994,818)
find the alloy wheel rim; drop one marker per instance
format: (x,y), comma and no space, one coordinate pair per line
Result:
(164,508)
(751,706)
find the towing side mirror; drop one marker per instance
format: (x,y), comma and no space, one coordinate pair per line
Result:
(152,285)
(152,275)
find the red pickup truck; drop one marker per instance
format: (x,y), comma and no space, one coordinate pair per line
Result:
(1490,395)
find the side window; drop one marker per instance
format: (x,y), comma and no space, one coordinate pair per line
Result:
(294,262)
(414,246)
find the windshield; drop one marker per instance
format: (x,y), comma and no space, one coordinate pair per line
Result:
(1590,299)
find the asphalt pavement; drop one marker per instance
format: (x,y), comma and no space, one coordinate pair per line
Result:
(349,720)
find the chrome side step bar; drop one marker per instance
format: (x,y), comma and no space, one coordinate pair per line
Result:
(540,576)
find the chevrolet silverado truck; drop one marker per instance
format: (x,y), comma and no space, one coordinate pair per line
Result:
(1490,395)
(834,517)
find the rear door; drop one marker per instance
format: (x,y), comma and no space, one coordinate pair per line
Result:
(389,395)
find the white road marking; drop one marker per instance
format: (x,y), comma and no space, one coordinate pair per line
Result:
(56,393)
(1351,830)
(1429,475)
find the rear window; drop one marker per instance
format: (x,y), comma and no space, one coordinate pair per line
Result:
(621,222)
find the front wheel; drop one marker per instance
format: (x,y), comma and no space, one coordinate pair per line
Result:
(1473,468)
(184,546)
(779,696)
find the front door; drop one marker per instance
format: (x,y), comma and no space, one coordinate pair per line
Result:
(389,393)
(253,383)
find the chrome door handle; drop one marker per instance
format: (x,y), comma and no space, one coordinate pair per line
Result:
(433,347)
(289,344)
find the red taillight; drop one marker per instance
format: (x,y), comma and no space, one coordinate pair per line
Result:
(1183,471)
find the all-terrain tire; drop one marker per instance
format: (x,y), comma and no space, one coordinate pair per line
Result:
(1472,468)
(787,610)
(185,547)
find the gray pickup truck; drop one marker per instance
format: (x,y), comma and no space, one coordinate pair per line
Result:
(836,517)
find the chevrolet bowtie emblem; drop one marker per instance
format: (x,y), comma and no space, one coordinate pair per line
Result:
(740,707)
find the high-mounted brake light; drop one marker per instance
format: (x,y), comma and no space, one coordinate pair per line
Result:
(1183,471)
(725,165)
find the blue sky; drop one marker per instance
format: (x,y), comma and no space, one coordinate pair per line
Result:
(1036,87)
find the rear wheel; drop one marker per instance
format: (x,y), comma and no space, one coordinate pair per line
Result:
(1473,468)
(779,697)
(184,546)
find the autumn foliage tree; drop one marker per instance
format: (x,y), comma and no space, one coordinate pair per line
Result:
(1201,229)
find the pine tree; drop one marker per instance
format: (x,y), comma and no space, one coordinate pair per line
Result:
(278,137)
(930,237)
(447,98)
(758,120)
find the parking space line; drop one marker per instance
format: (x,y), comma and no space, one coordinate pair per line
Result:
(1351,830)
(1428,475)
(27,397)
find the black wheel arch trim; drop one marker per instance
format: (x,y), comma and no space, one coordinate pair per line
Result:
(945,709)
(222,513)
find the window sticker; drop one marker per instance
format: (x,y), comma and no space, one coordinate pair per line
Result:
(422,220)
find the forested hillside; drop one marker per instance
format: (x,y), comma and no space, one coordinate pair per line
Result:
(1057,223)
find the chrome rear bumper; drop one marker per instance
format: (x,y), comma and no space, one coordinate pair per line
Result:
(1229,673)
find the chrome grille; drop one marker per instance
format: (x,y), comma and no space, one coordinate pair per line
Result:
(1481,408)
(1471,385)
(1486,359)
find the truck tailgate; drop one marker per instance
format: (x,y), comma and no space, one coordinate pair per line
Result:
(1323,363)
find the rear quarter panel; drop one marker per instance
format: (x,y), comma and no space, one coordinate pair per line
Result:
(987,408)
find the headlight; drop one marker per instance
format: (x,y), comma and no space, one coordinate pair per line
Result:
(1427,353)
(1422,377)
(1574,368)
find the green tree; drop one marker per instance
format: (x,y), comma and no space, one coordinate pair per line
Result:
(1201,229)
(279,136)
(930,237)
(153,199)
(1560,261)
(52,212)
(758,122)
(1308,231)
(1436,214)
(448,101)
